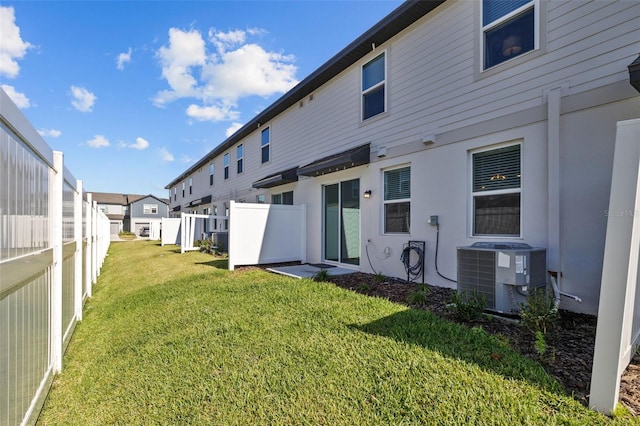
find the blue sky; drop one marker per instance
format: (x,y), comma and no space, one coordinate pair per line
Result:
(135,92)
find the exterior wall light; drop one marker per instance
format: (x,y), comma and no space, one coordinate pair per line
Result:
(367,193)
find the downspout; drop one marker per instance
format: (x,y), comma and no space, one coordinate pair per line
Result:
(553,190)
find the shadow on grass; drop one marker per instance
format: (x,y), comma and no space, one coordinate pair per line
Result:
(418,327)
(218,263)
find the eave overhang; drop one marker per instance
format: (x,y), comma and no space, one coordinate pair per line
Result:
(276,179)
(344,160)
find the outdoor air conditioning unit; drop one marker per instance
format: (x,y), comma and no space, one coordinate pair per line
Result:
(505,273)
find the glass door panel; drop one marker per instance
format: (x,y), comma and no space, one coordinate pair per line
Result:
(341,211)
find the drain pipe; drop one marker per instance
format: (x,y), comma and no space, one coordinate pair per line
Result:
(557,293)
(556,290)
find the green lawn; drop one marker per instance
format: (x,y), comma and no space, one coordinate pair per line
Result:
(172,338)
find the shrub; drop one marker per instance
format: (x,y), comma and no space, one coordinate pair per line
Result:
(539,313)
(419,296)
(469,306)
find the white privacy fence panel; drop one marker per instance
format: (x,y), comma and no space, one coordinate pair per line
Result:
(619,311)
(266,233)
(170,231)
(43,273)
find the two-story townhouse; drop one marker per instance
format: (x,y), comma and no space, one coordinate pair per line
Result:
(448,122)
(131,212)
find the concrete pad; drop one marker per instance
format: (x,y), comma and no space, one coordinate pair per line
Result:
(309,271)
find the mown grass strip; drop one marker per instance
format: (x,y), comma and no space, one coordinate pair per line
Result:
(176,339)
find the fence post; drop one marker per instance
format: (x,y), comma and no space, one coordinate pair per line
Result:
(94,246)
(614,334)
(89,248)
(77,233)
(56,268)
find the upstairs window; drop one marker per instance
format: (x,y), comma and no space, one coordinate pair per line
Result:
(150,209)
(397,201)
(265,143)
(190,186)
(175,195)
(373,87)
(496,192)
(183,186)
(211,170)
(508,29)
(226,166)
(240,157)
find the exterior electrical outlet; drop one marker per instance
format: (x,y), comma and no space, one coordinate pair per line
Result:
(503,272)
(433,220)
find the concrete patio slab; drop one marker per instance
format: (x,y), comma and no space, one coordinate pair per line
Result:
(309,271)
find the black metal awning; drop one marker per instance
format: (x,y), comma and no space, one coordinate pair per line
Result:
(176,209)
(203,200)
(634,73)
(345,160)
(276,179)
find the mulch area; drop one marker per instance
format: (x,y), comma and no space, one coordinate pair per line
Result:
(570,354)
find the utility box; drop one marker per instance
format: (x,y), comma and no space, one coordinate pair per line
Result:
(505,273)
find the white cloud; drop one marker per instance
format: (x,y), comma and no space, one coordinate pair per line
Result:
(186,159)
(98,141)
(122,59)
(140,144)
(211,113)
(234,69)
(83,100)
(166,155)
(12,46)
(20,99)
(53,133)
(233,128)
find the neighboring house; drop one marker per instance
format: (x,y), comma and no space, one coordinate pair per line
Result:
(500,120)
(129,212)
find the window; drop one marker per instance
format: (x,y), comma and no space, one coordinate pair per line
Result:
(211,170)
(226,166)
(373,87)
(183,185)
(190,186)
(260,199)
(215,219)
(508,29)
(284,198)
(175,195)
(496,191)
(265,143)
(239,156)
(150,209)
(397,200)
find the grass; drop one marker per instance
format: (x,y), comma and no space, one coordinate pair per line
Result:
(177,339)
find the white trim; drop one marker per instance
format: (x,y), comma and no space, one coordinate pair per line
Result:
(383,202)
(384,83)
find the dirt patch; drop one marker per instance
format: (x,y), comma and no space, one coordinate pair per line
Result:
(569,357)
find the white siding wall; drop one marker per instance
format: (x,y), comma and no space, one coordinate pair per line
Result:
(434,86)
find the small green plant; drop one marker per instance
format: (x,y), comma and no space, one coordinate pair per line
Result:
(321,275)
(539,314)
(540,344)
(379,278)
(363,287)
(419,296)
(205,245)
(469,306)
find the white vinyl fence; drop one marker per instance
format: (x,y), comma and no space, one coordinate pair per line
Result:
(52,244)
(266,233)
(619,311)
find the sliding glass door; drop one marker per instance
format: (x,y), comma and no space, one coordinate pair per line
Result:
(341,215)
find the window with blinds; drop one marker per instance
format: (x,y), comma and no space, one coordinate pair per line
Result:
(496,185)
(397,200)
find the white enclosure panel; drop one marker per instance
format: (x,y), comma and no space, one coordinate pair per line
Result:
(266,233)
(170,231)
